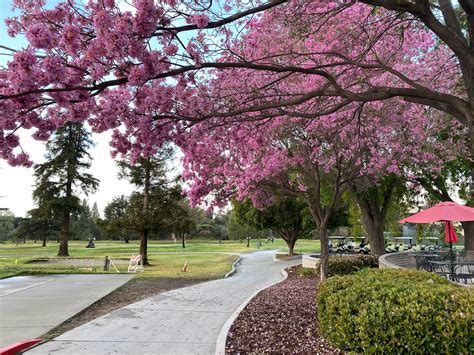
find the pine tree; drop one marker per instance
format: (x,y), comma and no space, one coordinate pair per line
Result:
(149,175)
(6,223)
(63,174)
(38,225)
(116,222)
(95,221)
(82,224)
(95,215)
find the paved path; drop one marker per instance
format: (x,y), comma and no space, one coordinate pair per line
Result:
(183,321)
(32,305)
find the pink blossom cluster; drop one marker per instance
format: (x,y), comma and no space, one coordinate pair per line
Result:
(74,48)
(120,71)
(200,21)
(251,160)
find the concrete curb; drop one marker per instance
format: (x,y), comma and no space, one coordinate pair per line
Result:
(21,346)
(222,338)
(286,259)
(232,272)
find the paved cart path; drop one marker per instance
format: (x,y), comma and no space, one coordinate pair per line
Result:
(182,321)
(32,305)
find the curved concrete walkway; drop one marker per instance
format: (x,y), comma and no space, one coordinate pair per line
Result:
(32,305)
(183,321)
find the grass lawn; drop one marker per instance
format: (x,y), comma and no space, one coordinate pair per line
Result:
(200,266)
(167,258)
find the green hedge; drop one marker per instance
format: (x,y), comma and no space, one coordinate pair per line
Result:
(396,311)
(346,265)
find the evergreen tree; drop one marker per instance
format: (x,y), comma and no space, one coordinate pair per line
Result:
(116,222)
(149,175)
(95,215)
(38,225)
(82,224)
(6,223)
(63,174)
(95,221)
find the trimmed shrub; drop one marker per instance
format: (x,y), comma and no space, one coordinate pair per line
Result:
(396,311)
(345,265)
(307,272)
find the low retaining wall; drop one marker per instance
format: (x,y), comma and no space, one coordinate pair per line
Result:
(309,261)
(397,261)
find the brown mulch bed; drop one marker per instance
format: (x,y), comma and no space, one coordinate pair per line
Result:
(280,319)
(133,291)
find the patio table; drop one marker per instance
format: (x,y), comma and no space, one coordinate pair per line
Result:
(423,260)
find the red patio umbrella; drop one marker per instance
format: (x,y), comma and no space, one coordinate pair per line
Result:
(447,212)
(442,212)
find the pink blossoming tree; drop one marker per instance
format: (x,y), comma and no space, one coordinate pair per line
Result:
(146,73)
(315,160)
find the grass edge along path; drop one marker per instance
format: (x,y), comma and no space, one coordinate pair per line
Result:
(200,266)
(205,257)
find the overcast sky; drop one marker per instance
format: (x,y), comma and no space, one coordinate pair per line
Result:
(16,184)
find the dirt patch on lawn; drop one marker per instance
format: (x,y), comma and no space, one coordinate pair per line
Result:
(133,291)
(280,319)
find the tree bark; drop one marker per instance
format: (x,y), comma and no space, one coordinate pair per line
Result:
(63,243)
(290,237)
(184,241)
(324,259)
(321,218)
(44,239)
(144,247)
(145,231)
(469,226)
(374,213)
(65,231)
(468,235)
(374,225)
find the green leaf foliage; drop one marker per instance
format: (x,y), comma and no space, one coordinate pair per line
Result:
(347,265)
(286,213)
(396,311)
(63,175)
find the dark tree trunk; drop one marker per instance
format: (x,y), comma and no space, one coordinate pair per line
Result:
(64,239)
(374,213)
(145,231)
(320,218)
(374,224)
(63,243)
(183,240)
(375,228)
(126,238)
(45,236)
(324,259)
(468,235)
(144,247)
(469,226)
(290,238)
